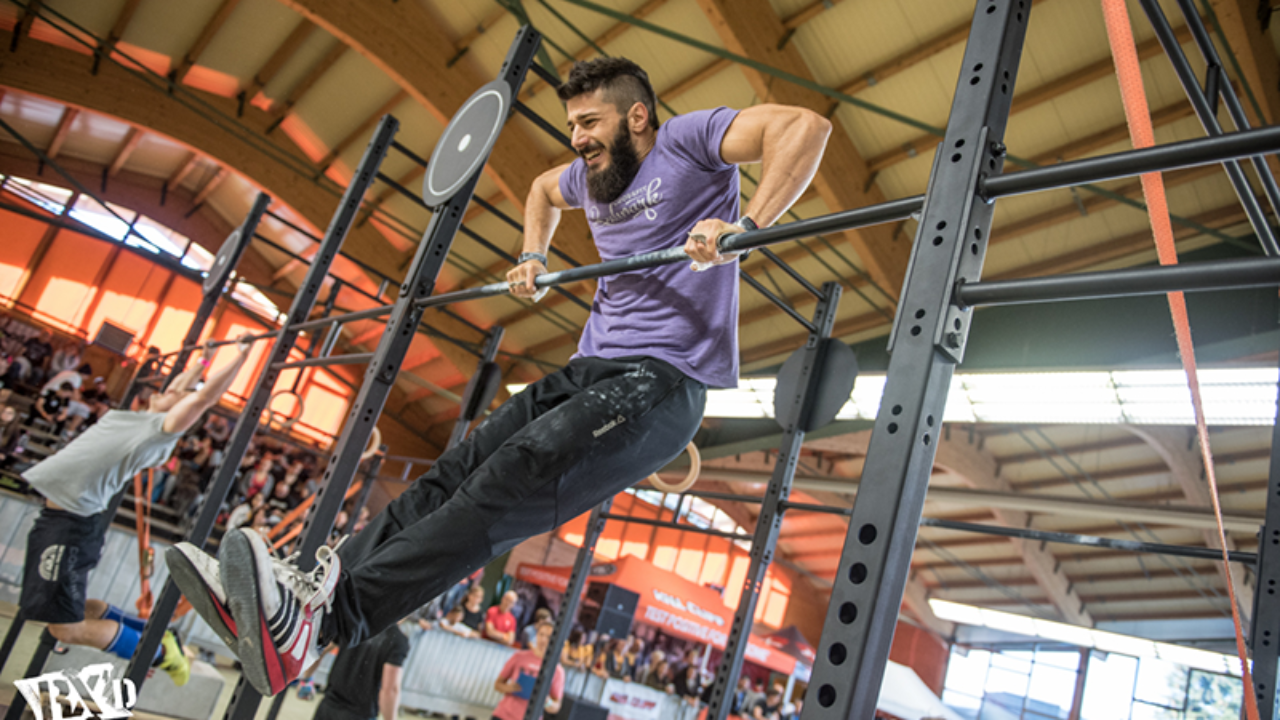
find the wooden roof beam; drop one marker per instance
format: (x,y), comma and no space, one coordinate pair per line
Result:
(1182,454)
(407,42)
(1115,248)
(282,54)
(752,29)
(298,91)
(25,21)
(537,84)
(1247,35)
(118,28)
(63,75)
(126,149)
(909,59)
(1028,99)
(69,115)
(211,28)
(210,185)
(362,130)
(182,172)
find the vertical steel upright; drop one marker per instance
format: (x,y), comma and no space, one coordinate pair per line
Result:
(238,444)
(1206,110)
(1265,634)
(929,336)
(568,610)
(384,367)
(765,539)
(478,393)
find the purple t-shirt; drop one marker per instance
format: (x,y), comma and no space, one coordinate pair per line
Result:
(686,318)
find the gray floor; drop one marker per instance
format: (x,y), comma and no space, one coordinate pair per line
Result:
(293,709)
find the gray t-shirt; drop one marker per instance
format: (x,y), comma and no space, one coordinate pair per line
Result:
(84,476)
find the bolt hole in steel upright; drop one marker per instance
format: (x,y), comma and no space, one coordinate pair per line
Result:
(868,587)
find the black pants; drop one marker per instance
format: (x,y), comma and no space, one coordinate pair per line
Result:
(547,455)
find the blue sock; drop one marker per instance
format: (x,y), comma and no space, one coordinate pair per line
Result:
(126,642)
(115,613)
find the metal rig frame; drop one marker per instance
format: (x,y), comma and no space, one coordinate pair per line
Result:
(928,340)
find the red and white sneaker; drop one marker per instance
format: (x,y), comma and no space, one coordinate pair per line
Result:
(196,574)
(277,608)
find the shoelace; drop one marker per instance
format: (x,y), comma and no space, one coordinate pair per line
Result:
(305,584)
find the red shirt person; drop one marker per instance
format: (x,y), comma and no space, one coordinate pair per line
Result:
(526,663)
(499,622)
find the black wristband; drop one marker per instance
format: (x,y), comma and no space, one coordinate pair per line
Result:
(527,256)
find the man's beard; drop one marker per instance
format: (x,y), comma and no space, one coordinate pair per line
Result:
(606,184)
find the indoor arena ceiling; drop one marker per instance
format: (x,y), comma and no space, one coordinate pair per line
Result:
(201,103)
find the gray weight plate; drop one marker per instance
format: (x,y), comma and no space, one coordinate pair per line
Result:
(466,142)
(837,368)
(223,263)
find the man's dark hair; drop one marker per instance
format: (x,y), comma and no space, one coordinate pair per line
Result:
(624,83)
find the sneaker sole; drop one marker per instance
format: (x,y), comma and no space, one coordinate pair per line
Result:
(239,569)
(193,586)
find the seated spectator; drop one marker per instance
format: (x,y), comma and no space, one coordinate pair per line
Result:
(452,622)
(577,653)
(39,351)
(531,630)
(66,357)
(473,608)
(52,406)
(527,663)
(80,379)
(500,622)
(281,500)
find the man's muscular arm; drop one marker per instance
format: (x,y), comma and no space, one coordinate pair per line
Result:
(541,216)
(789,141)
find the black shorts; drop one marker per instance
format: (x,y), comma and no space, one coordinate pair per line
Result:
(61,550)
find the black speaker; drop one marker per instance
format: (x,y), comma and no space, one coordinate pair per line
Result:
(572,708)
(611,610)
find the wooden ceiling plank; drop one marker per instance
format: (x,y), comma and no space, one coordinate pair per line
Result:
(126,149)
(362,130)
(299,91)
(117,31)
(1117,133)
(182,172)
(25,21)
(751,28)
(807,13)
(615,31)
(1115,248)
(282,54)
(1094,203)
(464,43)
(69,115)
(192,55)
(210,185)
(697,77)
(1028,99)
(1256,55)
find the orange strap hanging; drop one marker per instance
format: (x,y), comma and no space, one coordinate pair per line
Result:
(1138,114)
(146,556)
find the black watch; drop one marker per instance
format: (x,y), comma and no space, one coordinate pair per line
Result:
(527,256)
(746,223)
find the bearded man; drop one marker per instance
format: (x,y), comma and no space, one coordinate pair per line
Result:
(626,404)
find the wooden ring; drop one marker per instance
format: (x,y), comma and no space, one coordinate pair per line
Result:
(695,467)
(375,442)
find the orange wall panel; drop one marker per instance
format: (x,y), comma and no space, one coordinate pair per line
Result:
(180,305)
(62,286)
(19,236)
(130,294)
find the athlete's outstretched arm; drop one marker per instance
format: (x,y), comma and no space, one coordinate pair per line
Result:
(789,141)
(541,216)
(184,414)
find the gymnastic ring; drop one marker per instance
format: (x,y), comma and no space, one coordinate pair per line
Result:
(288,422)
(375,442)
(695,467)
